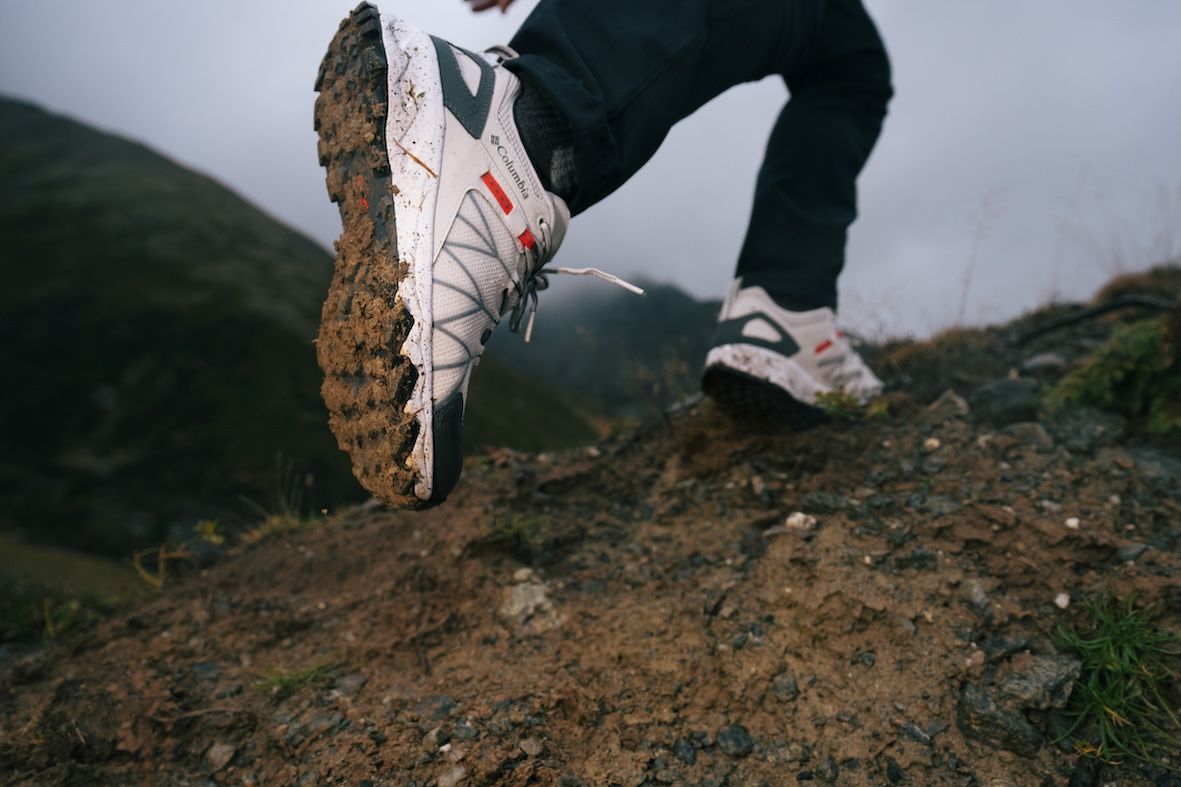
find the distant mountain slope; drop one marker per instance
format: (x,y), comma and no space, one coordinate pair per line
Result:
(629,356)
(158,339)
(158,347)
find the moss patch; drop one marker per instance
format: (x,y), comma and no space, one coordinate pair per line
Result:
(1137,374)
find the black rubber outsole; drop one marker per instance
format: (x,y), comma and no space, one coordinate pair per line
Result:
(748,399)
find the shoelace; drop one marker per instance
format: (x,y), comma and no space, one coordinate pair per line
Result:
(535,280)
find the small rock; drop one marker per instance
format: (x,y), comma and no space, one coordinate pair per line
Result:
(1000,648)
(949,405)
(1043,362)
(351,684)
(205,671)
(435,707)
(434,739)
(684,751)
(453,777)
(915,733)
(1029,434)
(713,602)
(1042,683)
(800,522)
(827,770)
(1157,467)
(979,716)
(735,741)
(227,690)
(528,607)
(1006,401)
(825,502)
(464,731)
(940,505)
(931,444)
(784,686)
(532,746)
(1083,429)
(977,595)
(523,575)
(322,722)
(1062,600)
(219,755)
(976,661)
(1072,523)
(1131,552)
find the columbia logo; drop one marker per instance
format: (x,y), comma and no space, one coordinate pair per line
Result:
(495,140)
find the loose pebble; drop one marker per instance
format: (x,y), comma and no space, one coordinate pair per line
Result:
(1062,600)
(1072,523)
(798,520)
(932,444)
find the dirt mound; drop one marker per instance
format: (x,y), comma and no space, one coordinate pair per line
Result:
(692,602)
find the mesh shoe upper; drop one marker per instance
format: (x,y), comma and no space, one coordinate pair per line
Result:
(801,352)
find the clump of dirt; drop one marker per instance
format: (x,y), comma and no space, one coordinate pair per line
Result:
(690,602)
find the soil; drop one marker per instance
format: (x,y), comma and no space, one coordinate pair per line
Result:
(691,602)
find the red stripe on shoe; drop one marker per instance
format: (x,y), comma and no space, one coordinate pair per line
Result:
(824,345)
(526,239)
(497,192)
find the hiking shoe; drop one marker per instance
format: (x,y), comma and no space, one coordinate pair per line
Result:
(770,362)
(445,229)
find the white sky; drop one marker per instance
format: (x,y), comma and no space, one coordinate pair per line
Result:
(1032,149)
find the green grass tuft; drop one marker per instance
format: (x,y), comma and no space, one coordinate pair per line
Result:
(1137,374)
(282,681)
(1121,707)
(843,406)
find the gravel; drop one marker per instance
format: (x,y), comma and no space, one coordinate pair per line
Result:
(735,741)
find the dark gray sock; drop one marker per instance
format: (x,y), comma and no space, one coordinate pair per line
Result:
(547,139)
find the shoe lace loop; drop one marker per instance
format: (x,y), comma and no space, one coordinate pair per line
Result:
(538,280)
(535,280)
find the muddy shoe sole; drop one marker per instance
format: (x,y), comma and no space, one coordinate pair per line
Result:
(364,324)
(748,399)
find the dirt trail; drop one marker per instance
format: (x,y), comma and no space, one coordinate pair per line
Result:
(688,603)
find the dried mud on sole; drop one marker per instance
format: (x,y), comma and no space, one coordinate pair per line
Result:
(364,322)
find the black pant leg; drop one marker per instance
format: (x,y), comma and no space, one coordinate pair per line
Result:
(805,197)
(623,72)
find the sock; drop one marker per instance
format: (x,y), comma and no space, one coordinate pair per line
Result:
(546,136)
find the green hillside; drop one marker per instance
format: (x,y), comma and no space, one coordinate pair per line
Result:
(158,348)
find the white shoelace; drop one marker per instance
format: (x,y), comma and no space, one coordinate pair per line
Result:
(538,280)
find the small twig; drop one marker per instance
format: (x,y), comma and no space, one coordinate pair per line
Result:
(423,660)
(1122,302)
(194,713)
(78,732)
(416,159)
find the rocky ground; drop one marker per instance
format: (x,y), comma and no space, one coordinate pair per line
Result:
(692,602)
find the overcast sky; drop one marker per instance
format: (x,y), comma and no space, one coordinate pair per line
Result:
(1031,151)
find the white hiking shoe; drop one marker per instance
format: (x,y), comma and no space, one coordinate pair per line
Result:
(766,359)
(417,134)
